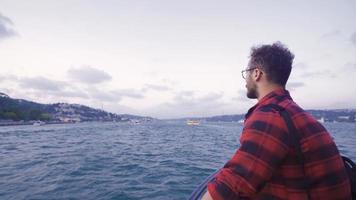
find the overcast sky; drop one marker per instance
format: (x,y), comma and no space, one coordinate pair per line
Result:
(168,59)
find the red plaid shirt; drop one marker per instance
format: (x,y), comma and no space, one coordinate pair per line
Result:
(266,167)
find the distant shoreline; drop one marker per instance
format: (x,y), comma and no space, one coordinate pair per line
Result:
(32,123)
(14,123)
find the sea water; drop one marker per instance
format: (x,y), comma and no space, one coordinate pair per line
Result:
(157,160)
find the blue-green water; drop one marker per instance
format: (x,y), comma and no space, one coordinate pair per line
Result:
(160,160)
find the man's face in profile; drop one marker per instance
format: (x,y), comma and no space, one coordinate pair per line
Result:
(250,84)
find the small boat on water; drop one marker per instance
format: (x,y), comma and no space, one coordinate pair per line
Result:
(193,122)
(135,121)
(38,123)
(321,120)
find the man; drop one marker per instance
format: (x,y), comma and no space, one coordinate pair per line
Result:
(266,166)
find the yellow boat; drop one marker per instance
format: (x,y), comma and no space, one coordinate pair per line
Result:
(193,122)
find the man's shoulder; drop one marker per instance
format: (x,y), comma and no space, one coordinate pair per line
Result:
(269,107)
(274,108)
(265,120)
(264,116)
(270,114)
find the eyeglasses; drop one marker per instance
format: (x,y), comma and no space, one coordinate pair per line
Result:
(244,72)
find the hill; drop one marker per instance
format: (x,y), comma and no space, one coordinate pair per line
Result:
(332,115)
(23,110)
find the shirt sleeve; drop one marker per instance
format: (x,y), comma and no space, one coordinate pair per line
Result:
(263,147)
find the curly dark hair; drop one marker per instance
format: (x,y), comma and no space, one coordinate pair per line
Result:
(275,60)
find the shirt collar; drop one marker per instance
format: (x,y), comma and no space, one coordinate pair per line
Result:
(273,97)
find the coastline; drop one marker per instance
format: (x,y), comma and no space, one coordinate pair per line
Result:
(22,123)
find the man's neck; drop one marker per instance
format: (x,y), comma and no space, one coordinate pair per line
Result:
(266,90)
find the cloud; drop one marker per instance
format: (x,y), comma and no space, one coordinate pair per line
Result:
(8,77)
(241,96)
(331,34)
(294,85)
(211,97)
(304,70)
(41,83)
(148,87)
(54,96)
(120,109)
(353,38)
(184,96)
(188,104)
(71,93)
(350,66)
(41,86)
(188,100)
(2,78)
(88,75)
(114,95)
(5,27)
(129,93)
(186,93)
(300,65)
(104,96)
(322,73)
(40,89)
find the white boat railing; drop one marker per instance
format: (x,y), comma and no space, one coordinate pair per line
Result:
(198,193)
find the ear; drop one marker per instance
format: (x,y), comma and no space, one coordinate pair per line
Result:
(257,74)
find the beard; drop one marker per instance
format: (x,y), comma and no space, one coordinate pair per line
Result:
(252,92)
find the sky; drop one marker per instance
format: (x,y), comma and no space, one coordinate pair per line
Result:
(172,59)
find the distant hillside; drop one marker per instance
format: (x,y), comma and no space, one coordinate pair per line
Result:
(19,109)
(226,118)
(334,115)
